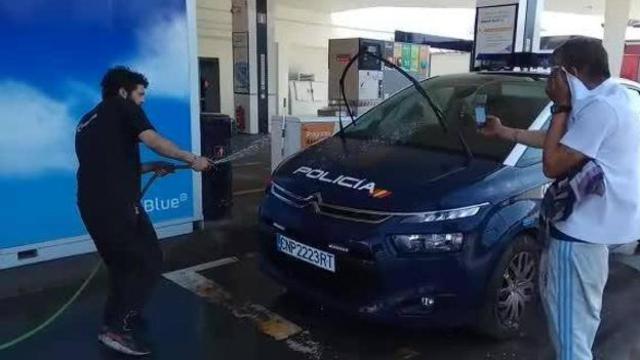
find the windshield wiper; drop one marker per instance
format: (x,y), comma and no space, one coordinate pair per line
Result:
(436,109)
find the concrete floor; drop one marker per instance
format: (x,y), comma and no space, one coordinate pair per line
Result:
(228,310)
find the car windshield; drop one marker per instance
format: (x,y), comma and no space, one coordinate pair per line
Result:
(407,119)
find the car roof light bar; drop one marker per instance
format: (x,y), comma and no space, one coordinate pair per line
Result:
(511,61)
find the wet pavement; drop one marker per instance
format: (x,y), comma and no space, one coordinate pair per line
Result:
(227,309)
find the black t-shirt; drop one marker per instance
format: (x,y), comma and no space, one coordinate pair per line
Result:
(107,147)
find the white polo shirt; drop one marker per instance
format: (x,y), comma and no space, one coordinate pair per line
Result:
(605,126)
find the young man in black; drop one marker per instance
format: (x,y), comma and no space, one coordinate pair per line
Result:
(107,146)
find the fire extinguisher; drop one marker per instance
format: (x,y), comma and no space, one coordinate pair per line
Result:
(240,119)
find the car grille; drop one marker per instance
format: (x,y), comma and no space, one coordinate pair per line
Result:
(317,205)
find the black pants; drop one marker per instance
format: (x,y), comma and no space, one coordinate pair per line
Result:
(129,247)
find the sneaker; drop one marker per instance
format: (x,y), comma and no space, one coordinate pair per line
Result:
(140,323)
(124,343)
(134,321)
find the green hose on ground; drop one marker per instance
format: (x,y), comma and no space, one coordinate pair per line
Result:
(64,307)
(53,317)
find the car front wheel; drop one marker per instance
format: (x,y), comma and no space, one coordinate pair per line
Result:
(512,289)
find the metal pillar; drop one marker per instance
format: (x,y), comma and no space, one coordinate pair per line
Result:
(616,19)
(251,62)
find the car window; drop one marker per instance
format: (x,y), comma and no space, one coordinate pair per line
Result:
(532,155)
(406,118)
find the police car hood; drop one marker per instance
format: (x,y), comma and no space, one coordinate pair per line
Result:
(376,176)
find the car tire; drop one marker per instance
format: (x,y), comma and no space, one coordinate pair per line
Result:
(513,289)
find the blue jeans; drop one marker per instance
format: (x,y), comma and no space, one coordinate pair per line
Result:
(572,280)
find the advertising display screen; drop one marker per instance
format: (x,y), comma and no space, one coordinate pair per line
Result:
(56,53)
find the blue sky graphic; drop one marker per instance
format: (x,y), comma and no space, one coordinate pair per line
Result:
(54,55)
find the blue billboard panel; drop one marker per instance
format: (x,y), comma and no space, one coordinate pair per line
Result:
(54,56)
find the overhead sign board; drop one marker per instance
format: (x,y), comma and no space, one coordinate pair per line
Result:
(496,29)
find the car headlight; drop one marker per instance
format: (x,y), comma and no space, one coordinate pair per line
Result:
(443,215)
(427,243)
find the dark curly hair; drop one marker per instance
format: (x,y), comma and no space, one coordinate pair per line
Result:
(121,77)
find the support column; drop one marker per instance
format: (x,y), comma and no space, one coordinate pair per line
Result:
(616,19)
(272,62)
(283,77)
(251,64)
(535,8)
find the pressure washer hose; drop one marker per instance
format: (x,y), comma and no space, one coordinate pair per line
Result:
(82,287)
(55,316)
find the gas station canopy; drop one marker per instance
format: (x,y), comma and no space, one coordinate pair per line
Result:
(585,7)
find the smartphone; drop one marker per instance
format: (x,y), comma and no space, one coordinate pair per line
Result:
(480,109)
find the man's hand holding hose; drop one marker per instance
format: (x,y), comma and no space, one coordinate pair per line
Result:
(159,168)
(199,163)
(168,149)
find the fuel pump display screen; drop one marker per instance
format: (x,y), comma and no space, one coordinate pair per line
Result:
(368,62)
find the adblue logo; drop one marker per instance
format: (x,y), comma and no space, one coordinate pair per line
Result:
(158,204)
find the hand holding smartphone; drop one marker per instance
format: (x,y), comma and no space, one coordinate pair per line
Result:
(480,110)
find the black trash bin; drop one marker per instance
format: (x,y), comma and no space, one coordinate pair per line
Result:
(217,196)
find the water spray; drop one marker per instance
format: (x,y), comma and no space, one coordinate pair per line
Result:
(252,149)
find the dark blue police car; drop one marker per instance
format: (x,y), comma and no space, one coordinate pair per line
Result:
(404,219)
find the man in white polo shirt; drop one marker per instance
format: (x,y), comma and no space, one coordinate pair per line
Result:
(593,119)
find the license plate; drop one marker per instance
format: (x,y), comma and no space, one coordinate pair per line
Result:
(313,256)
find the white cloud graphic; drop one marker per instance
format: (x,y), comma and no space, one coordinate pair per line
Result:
(36,132)
(81,94)
(162,55)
